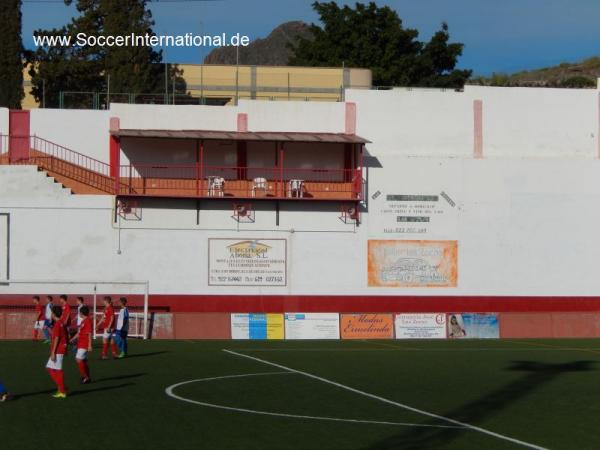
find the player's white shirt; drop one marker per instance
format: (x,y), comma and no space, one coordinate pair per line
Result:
(79,319)
(48,312)
(123,320)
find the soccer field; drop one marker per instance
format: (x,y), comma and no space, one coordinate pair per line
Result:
(369,395)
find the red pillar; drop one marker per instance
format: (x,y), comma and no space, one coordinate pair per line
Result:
(114,152)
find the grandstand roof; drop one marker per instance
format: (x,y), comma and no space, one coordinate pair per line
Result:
(333,138)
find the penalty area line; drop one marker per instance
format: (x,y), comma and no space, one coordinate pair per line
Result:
(390,402)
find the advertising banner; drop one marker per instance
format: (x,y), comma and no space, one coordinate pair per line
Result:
(413,263)
(257,326)
(312,326)
(473,326)
(367,326)
(421,326)
(246,262)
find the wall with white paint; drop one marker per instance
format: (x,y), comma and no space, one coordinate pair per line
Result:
(3,122)
(525,216)
(83,131)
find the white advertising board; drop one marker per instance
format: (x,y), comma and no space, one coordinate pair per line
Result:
(247,262)
(312,326)
(421,326)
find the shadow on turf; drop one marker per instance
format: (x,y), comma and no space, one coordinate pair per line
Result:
(100,389)
(475,412)
(142,355)
(120,377)
(73,393)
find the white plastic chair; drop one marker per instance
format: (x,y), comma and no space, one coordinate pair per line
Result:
(216,186)
(259,183)
(296,188)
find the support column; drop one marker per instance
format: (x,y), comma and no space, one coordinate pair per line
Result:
(350,120)
(115,152)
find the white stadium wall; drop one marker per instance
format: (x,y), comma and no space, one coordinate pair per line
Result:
(518,222)
(3,121)
(81,130)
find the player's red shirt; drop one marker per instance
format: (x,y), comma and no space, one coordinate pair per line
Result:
(59,332)
(65,318)
(40,313)
(109,314)
(85,333)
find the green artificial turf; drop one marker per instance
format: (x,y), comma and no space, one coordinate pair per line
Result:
(546,393)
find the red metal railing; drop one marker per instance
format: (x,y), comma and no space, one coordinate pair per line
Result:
(196,180)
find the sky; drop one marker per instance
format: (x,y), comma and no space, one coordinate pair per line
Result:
(499,36)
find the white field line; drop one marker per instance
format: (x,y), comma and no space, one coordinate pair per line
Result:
(170,393)
(391,402)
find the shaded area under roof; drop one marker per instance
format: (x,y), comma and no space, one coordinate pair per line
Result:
(332,138)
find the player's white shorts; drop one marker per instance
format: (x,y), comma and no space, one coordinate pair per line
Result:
(57,365)
(39,325)
(81,353)
(107,334)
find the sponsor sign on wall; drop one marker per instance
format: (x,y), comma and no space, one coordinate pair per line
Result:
(432,213)
(421,326)
(312,326)
(367,326)
(473,326)
(247,262)
(257,326)
(413,263)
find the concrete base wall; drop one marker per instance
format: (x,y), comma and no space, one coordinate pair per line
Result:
(19,324)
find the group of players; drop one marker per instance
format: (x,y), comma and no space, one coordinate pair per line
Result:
(55,322)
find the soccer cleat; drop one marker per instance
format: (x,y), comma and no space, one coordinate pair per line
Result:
(86,380)
(47,341)
(4,397)
(121,355)
(60,395)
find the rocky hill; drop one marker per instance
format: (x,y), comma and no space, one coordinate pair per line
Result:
(574,75)
(270,51)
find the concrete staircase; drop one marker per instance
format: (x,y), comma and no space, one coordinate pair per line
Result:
(26,181)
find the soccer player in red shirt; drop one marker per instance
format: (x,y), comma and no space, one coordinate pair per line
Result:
(84,344)
(39,317)
(107,323)
(66,311)
(58,348)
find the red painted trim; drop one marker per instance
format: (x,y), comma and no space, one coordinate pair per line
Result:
(242,123)
(348,304)
(350,119)
(18,135)
(114,150)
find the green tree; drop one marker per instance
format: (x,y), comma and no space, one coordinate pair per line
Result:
(11,54)
(130,69)
(374,37)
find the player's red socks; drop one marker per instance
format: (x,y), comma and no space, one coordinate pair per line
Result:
(58,377)
(35,335)
(113,347)
(84,369)
(104,349)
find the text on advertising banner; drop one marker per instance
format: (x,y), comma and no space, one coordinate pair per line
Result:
(412,263)
(421,326)
(312,326)
(247,262)
(473,326)
(257,326)
(367,326)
